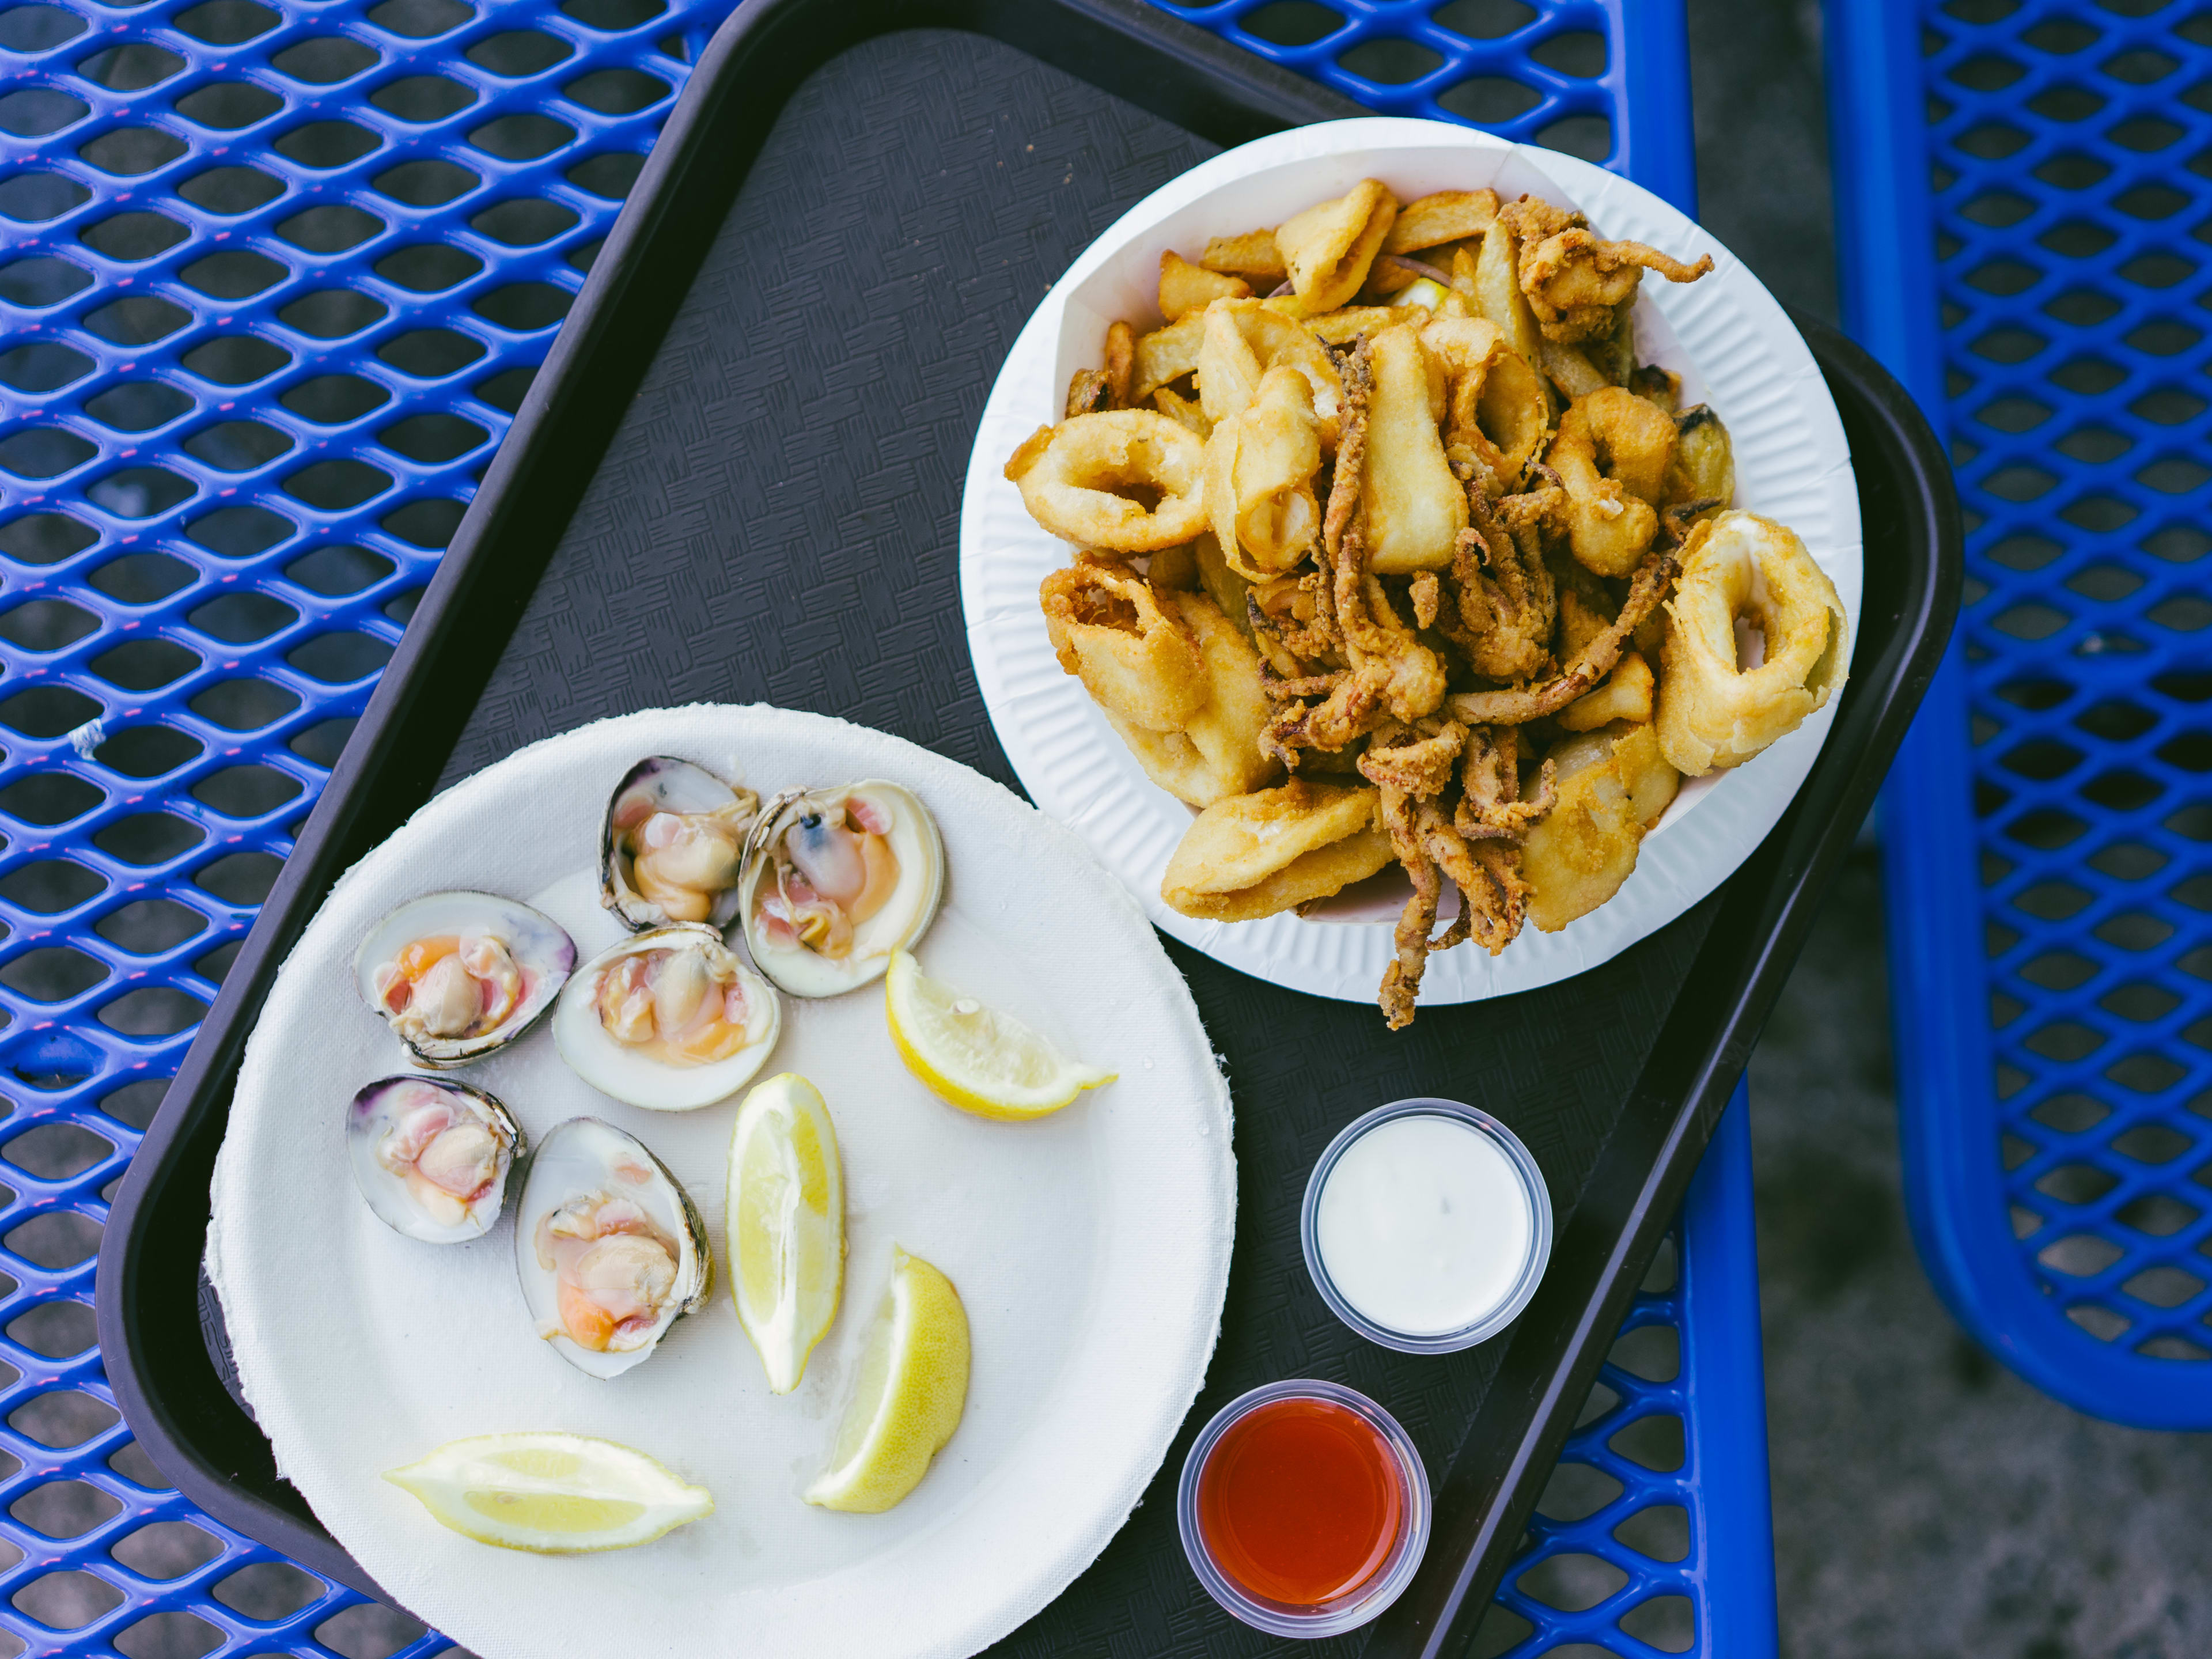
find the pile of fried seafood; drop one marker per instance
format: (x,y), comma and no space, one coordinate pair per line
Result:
(1387,549)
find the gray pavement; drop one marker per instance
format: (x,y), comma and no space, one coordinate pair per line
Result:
(1927,1504)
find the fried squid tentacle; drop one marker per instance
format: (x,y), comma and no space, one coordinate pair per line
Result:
(1280,689)
(1356,706)
(1591,663)
(1302,641)
(1394,675)
(1506,904)
(1481,905)
(1490,807)
(1401,980)
(1572,281)
(1518,592)
(1417,765)
(1375,638)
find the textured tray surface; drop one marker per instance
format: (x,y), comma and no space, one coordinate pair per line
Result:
(690,562)
(116,1552)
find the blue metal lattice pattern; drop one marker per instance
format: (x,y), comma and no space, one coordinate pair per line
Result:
(2072,173)
(272,281)
(1542,73)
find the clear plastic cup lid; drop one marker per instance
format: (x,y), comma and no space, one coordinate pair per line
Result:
(1365,1599)
(1517,1287)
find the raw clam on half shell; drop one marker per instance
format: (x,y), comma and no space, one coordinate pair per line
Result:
(431,1156)
(609,1246)
(460,975)
(836,880)
(672,843)
(669,1019)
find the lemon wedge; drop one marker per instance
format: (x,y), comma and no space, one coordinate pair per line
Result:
(556,1494)
(976,1058)
(907,1396)
(786,1224)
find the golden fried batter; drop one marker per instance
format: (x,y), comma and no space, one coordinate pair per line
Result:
(1329,247)
(1590,665)
(1573,280)
(1389,570)
(1088,480)
(1108,628)
(1713,714)
(1257,854)
(1612,455)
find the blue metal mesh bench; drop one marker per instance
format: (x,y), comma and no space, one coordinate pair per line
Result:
(2021,190)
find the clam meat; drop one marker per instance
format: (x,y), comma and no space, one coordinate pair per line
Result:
(610,1249)
(431,1156)
(836,880)
(672,845)
(669,1019)
(460,975)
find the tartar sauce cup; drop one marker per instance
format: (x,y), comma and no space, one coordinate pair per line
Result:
(1244,1504)
(1385,1203)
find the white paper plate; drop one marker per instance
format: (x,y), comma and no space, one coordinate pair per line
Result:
(1726,335)
(1091,1249)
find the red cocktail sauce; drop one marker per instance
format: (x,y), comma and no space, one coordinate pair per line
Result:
(1299,1501)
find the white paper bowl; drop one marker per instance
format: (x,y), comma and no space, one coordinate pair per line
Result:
(1726,335)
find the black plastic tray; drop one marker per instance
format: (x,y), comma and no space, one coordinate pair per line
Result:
(738,477)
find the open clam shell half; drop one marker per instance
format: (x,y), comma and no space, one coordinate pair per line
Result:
(836,880)
(460,975)
(672,845)
(431,1156)
(669,1019)
(609,1247)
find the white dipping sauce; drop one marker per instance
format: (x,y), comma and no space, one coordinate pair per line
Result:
(1424,1225)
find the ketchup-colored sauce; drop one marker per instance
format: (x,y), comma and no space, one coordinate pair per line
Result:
(1299,1501)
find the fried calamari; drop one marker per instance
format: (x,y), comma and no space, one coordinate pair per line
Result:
(1129,481)
(1714,714)
(1375,567)
(1574,283)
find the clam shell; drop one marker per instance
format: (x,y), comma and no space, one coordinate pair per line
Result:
(582,1156)
(671,785)
(372,1113)
(920,854)
(541,950)
(629,1075)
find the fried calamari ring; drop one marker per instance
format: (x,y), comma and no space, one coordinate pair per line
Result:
(1134,660)
(1259,468)
(1071,475)
(1711,713)
(1612,453)
(1258,855)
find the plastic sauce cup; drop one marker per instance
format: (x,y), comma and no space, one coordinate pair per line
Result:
(1304,1508)
(1426,1225)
